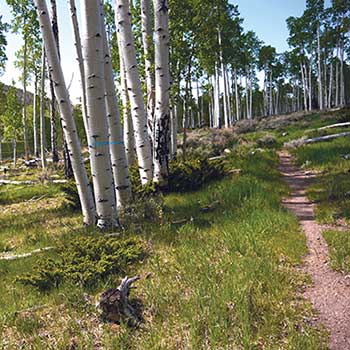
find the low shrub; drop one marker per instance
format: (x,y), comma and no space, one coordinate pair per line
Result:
(85,260)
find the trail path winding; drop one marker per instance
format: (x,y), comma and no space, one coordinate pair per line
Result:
(330,292)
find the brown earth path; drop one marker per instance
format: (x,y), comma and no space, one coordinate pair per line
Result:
(330,291)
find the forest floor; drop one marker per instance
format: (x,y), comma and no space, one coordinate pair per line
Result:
(221,265)
(330,290)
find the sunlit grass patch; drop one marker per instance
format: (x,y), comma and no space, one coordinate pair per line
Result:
(339,246)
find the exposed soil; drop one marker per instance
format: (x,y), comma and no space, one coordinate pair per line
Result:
(330,291)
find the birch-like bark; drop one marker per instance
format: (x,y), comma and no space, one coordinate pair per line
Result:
(217,109)
(337,79)
(98,140)
(116,143)
(35,118)
(310,84)
(54,146)
(161,150)
(79,53)
(42,110)
(148,47)
(138,111)
(0,148)
(128,127)
(69,129)
(330,86)
(236,95)
(320,91)
(226,113)
(247,95)
(24,101)
(342,84)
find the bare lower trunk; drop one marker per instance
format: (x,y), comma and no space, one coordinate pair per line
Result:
(24,102)
(61,92)
(138,111)
(330,86)
(98,140)
(320,91)
(116,144)
(310,85)
(42,111)
(14,145)
(35,119)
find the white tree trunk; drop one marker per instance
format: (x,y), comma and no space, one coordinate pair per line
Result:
(330,86)
(138,111)
(217,107)
(147,41)
(337,79)
(162,83)
(320,91)
(98,140)
(236,94)
(24,101)
(128,127)
(35,119)
(310,85)
(342,84)
(42,111)
(116,143)
(69,129)
(79,53)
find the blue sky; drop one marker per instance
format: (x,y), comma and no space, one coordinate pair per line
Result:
(266,17)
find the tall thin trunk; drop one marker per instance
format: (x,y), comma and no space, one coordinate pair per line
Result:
(79,52)
(35,118)
(98,140)
(24,101)
(251,94)
(174,127)
(128,128)
(116,144)
(342,84)
(0,148)
(337,79)
(69,129)
(217,113)
(138,111)
(148,47)
(161,150)
(271,97)
(42,111)
(330,85)
(54,146)
(310,85)
(225,100)
(14,145)
(247,94)
(320,91)
(236,94)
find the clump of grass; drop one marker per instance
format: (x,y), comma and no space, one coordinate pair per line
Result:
(339,246)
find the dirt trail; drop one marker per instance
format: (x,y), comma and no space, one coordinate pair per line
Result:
(330,293)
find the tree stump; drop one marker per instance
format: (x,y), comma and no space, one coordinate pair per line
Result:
(115,306)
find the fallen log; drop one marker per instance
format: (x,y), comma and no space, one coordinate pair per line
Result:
(25,255)
(338,125)
(30,182)
(305,141)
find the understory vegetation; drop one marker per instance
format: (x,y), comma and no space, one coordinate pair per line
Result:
(217,266)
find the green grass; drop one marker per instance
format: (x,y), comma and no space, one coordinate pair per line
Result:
(224,279)
(10,194)
(339,247)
